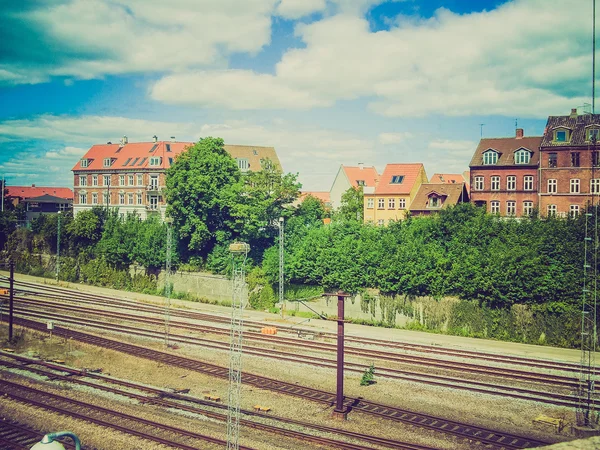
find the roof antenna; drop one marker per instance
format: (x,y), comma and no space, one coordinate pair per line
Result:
(481,130)
(516,123)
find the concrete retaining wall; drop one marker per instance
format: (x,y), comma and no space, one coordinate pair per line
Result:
(200,284)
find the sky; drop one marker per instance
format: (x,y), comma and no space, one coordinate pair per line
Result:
(326,82)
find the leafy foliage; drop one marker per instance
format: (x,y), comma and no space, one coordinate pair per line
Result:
(352,206)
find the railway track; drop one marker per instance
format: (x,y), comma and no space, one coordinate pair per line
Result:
(464,431)
(175,401)
(435,380)
(58,293)
(15,436)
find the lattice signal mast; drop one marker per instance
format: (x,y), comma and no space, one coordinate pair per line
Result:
(239,254)
(169,222)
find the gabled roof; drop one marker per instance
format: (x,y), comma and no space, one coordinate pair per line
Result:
(454,193)
(48,199)
(25,192)
(136,155)
(449,178)
(367,174)
(506,148)
(321,195)
(410,172)
(576,123)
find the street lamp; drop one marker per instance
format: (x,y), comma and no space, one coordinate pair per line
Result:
(49,442)
(281,301)
(58,248)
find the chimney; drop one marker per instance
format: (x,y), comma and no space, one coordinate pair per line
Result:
(361,166)
(172,138)
(519,134)
(33,185)
(154,138)
(124,140)
(573,113)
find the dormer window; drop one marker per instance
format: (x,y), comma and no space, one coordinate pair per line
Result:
(592,134)
(562,135)
(490,157)
(108,162)
(243,164)
(85,162)
(155,161)
(397,179)
(360,182)
(435,200)
(522,156)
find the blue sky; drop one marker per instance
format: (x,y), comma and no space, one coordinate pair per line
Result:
(326,82)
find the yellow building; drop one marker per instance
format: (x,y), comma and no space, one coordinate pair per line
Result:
(391,198)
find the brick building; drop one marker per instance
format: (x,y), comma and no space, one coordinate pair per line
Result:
(504,175)
(131,176)
(569,165)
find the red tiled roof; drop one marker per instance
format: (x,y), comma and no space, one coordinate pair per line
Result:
(506,148)
(136,155)
(449,178)
(410,172)
(323,196)
(367,174)
(32,191)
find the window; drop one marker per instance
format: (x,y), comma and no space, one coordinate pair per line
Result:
(130,180)
(381,203)
(552,186)
(574,210)
(552,159)
(511,183)
(370,202)
(561,135)
(121,180)
(392,203)
(592,134)
(94,198)
(107,198)
(142,161)
(490,157)
(243,164)
(107,162)
(522,156)
(479,183)
(139,199)
(121,199)
(434,202)
(106,180)
(495,183)
(127,161)
(527,208)
(360,182)
(153,203)
(153,148)
(401,203)
(254,152)
(575,159)
(84,162)
(155,161)
(397,179)
(130,199)
(83,180)
(511,208)
(574,186)
(154,181)
(168,147)
(380,222)
(94,180)
(83,198)
(551,210)
(595,186)
(134,161)
(595,159)
(528,182)
(140,180)
(170,162)
(495,207)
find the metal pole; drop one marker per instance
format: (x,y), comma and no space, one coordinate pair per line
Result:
(281,301)
(3,189)
(168,221)
(58,249)
(11,300)
(339,411)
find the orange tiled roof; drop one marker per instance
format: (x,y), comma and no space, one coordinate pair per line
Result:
(410,172)
(367,174)
(32,191)
(449,178)
(321,195)
(136,155)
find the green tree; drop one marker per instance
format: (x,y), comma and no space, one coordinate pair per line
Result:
(352,206)
(203,189)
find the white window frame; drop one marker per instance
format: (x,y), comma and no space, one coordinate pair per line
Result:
(527,207)
(370,202)
(391,203)
(490,157)
(401,203)
(106,180)
(495,207)
(495,183)
(121,198)
(83,198)
(595,186)
(511,183)
(130,199)
(121,180)
(82,180)
(107,162)
(155,160)
(511,208)
(94,198)
(522,156)
(243,164)
(575,186)
(479,183)
(528,183)
(140,199)
(84,162)
(130,180)
(381,203)
(552,210)
(94,180)
(552,186)
(380,222)
(573,210)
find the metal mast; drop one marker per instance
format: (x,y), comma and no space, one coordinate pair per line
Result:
(169,222)
(239,253)
(281,266)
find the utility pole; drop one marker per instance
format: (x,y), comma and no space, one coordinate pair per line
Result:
(58,248)
(239,254)
(169,222)
(11,300)
(3,189)
(281,301)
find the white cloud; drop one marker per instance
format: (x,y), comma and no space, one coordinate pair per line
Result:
(92,38)
(393,138)
(295,9)
(508,61)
